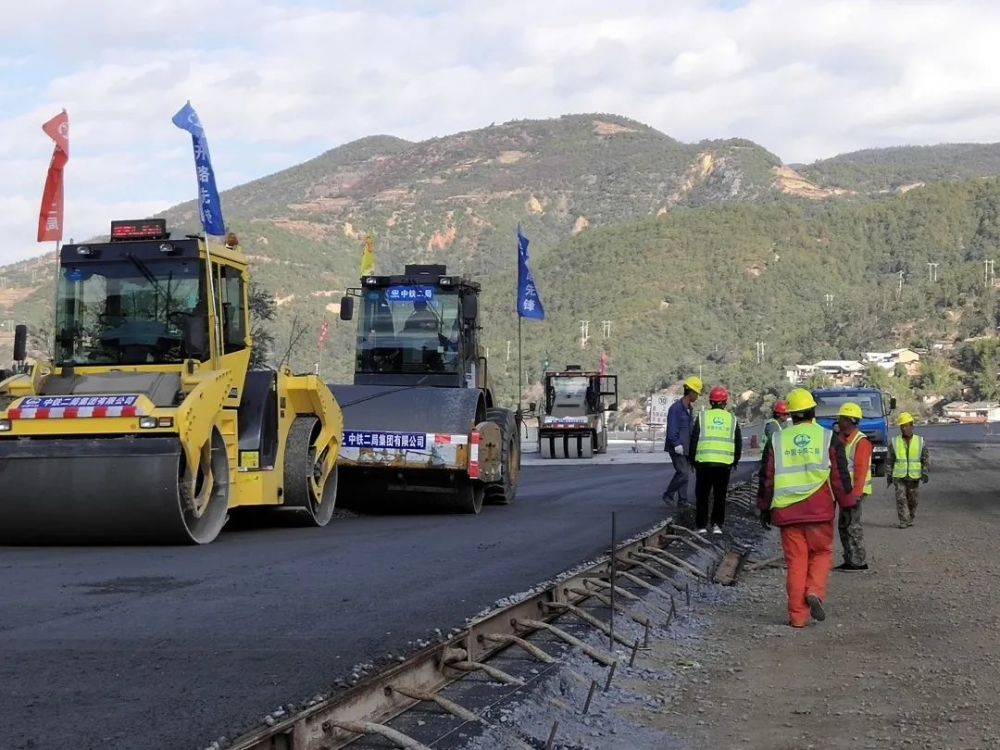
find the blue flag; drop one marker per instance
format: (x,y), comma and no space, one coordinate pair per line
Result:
(529,304)
(209,205)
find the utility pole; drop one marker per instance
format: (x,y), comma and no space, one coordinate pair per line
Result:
(829,300)
(606,328)
(584,333)
(932,271)
(988,276)
(508,350)
(760,352)
(899,289)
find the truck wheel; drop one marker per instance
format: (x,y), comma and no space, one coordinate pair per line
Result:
(504,491)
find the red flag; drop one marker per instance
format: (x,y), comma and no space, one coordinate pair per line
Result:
(324,331)
(50,216)
(58,130)
(604,364)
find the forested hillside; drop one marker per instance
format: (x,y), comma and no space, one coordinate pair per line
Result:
(694,252)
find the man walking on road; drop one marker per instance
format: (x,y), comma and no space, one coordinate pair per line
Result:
(907,467)
(859,461)
(678,440)
(716,444)
(803,475)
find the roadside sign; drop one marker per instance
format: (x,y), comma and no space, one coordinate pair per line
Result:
(661,403)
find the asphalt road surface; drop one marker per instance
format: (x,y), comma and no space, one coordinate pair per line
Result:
(172,647)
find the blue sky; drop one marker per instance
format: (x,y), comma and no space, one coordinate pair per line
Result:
(277,83)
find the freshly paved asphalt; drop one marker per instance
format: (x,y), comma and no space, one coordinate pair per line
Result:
(172,647)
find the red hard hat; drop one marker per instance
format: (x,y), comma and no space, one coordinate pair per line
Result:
(718,394)
(780,407)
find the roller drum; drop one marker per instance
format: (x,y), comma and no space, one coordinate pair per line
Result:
(120,490)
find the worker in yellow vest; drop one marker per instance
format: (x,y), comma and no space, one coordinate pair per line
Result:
(859,462)
(803,476)
(778,421)
(716,445)
(906,468)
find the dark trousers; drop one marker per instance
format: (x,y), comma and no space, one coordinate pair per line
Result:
(710,480)
(679,481)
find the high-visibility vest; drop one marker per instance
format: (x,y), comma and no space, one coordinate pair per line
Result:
(907,464)
(801,462)
(849,449)
(716,437)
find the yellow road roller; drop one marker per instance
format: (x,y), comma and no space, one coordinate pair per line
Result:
(148,426)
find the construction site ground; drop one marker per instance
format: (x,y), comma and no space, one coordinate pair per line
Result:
(906,658)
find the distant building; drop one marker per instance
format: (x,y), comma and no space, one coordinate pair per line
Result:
(976,411)
(798,374)
(841,371)
(888,360)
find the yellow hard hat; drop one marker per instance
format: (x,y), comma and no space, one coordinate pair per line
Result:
(904,418)
(800,400)
(850,409)
(695,384)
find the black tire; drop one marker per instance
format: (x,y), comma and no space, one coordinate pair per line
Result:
(203,525)
(504,491)
(468,498)
(878,469)
(299,462)
(601,442)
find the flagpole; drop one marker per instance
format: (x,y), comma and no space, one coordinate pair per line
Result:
(55,308)
(520,371)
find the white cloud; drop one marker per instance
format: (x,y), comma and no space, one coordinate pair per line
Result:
(277,82)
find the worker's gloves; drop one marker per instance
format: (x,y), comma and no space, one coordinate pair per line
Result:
(924,478)
(679,450)
(765,519)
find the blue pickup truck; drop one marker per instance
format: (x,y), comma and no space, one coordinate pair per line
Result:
(875,409)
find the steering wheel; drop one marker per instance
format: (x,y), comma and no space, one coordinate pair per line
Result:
(178,318)
(110,320)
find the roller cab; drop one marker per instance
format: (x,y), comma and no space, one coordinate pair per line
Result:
(147,427)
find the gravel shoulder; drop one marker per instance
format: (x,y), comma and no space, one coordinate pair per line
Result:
(907,657)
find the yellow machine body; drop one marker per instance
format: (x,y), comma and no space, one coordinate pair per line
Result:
(161,443)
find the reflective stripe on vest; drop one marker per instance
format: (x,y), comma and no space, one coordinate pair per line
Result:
(850,448)
(907,464)
(716,437)
(801,462)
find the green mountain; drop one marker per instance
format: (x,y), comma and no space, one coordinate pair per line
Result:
(693,252)
(898,168)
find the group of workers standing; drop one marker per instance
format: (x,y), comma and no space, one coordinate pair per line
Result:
(806,472)
(712,444)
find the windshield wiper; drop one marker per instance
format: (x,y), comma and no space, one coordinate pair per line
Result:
(144,270)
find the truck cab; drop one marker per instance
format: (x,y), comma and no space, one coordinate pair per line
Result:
(875,409)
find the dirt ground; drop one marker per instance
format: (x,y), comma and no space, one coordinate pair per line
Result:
(909,655)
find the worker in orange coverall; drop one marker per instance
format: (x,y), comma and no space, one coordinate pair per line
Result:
(804,474)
